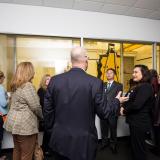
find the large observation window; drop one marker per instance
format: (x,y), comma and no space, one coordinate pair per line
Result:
(133,54)
(7,58)
(103,55)
(158,58)
(49,55)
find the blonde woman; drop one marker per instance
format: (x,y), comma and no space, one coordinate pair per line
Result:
(42,88)
(22,118)
(41,93)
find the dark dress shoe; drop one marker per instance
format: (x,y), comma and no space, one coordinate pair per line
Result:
(155,151)
(104,145)
(114,149)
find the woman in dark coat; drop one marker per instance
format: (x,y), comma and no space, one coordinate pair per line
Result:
(156,120)
(41,93)
(138,109)
(154,82)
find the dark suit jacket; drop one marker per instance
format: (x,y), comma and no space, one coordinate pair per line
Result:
(41,92)
(138,108)
(71,102)
(156,110)
(113,91)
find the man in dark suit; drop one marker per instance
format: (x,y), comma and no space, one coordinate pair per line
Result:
(71,102)
(111,88)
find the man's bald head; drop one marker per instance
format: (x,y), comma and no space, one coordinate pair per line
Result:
(77,54)
(79,57)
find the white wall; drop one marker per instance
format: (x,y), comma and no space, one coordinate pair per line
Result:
(39,20)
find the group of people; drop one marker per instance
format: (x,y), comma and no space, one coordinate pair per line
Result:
(66,105)
(25,108)
(142,111)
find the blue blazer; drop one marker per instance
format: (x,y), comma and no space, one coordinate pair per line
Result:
(3,101)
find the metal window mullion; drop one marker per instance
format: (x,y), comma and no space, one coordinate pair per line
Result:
(154,55)
(82,42)
(121,64)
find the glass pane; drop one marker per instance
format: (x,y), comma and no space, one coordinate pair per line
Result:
(135,54)
(103,55)
(158,58)
(49,55)
(7,58)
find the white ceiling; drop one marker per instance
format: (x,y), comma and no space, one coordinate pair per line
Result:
(136,8)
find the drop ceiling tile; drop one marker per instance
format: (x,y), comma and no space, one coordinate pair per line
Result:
(121,2)
(59,3)
(92,0)
(28,2)
(148,4)
(6,1)
(114,9)
(139,12)
(87,5)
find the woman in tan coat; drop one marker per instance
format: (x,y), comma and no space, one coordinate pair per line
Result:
(22,118)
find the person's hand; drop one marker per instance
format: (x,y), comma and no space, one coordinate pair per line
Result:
(119,94)
(121,99)
(122,111)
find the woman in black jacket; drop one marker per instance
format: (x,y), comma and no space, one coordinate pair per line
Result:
(138,111)
(156,121)
(41,93)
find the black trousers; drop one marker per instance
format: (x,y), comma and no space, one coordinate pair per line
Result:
(157,137)
(138,146)
(45,142)
(57,156)
(109,125)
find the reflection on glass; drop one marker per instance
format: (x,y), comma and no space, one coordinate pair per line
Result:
(102,55)
(51,55)
(158,58)
(135,54)
(48,55)
(7,58)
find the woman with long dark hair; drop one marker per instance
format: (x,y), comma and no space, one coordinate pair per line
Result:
(138,110)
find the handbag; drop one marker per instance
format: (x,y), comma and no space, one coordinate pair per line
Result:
(4,116)
(38,152)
